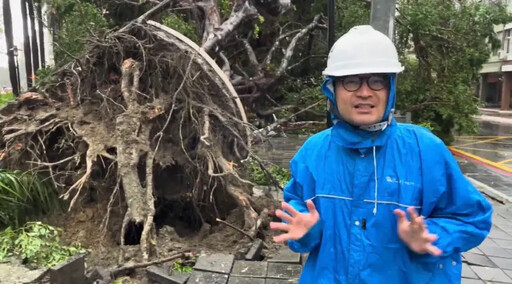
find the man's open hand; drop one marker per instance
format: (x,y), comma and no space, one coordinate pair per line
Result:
(414,233)
(297,224)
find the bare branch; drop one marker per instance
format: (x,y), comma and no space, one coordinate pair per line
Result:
(283,120)
(246,12)
(304,59)
(250,53)
(226,67)
(301,125)
(272,110)
(289,51)
(299,112)
(275,46)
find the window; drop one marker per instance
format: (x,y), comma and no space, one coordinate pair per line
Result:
(507,41)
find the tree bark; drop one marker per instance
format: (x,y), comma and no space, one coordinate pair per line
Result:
(211,18)
(26,43)
(13,76)
(40,24)
(33,37)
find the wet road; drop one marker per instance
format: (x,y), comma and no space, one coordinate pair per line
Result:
(487,157)
(492,146)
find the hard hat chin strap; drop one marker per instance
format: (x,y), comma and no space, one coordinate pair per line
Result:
(379,126)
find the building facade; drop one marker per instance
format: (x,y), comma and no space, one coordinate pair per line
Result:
(495,88)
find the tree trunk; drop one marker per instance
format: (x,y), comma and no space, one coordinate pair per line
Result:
(212,18)
(33,37)
(26,44)
(40,24)
(10,45)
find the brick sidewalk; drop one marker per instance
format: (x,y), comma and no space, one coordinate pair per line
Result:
(492,260)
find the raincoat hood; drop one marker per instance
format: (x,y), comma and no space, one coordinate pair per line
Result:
(353,137)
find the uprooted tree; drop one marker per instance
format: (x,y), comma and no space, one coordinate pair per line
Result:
(258,44)
(147,113)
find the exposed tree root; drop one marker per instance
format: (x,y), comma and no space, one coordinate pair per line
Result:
(146,113)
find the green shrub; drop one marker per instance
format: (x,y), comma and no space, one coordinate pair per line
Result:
(6,98)
(181,267)
(177,22)
(37,244)
(259,177)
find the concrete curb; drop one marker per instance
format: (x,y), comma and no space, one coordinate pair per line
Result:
(493,193)
(494,119)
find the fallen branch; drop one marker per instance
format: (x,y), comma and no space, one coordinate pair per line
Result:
(299,112)
(247,11)
(273,110)
(226,66)
(250,53)
(301,125)
(270,53)
(235,228)
(276,125)
(304,59)
(181,254)
(289,51)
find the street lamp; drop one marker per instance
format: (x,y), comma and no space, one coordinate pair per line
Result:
(15,53)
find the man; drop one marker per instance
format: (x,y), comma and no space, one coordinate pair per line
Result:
(352,184)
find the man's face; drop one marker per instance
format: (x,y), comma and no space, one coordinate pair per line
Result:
(362,99)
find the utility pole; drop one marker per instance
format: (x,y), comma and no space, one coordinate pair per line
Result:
(382,17)
(330,40)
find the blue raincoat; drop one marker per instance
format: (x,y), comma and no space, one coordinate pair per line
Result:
(357,178)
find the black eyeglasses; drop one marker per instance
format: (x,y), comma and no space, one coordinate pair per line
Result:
(375,82)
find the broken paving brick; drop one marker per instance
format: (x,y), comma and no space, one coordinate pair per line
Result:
(160,276)
(70,271)
(217,262)
(254,252)
(285,255)
(255,269)
(204,277)
(283,270)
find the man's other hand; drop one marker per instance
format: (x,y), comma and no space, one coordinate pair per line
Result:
(414,233)
(297,224)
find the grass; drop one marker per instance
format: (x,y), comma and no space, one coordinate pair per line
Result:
(23,195)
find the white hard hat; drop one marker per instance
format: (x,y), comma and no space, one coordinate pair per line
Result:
(362,50)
